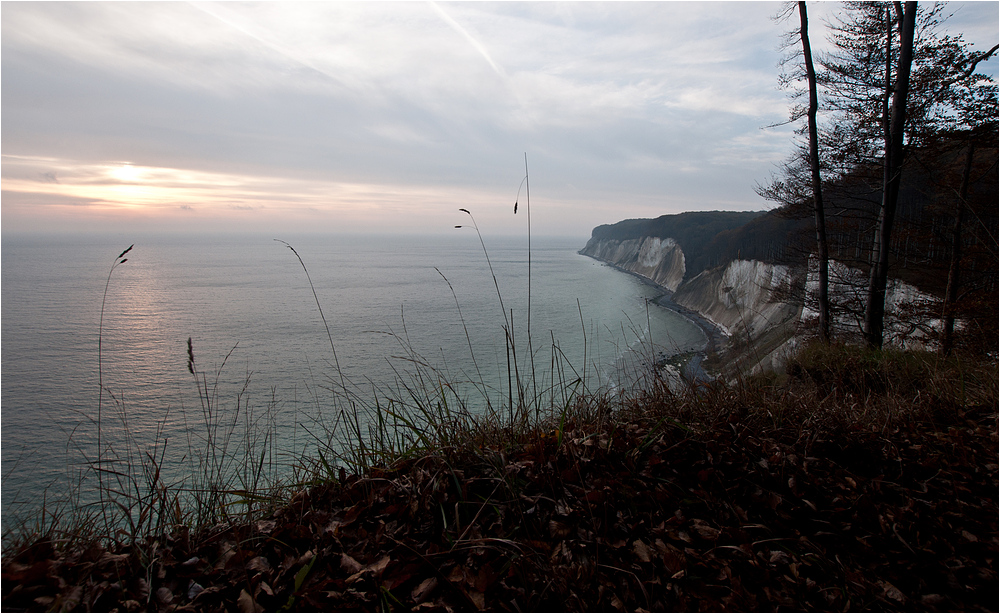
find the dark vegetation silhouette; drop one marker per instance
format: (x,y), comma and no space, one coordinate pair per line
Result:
(886,187)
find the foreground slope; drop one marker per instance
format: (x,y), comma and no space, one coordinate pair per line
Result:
(866,481)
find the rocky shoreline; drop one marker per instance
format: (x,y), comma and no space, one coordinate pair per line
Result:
(694,372)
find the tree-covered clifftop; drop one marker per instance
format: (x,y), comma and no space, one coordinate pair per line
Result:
(693,231)
(693,227)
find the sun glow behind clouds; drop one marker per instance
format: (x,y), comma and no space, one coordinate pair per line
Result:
(126,172)
(115,185)
(100,193)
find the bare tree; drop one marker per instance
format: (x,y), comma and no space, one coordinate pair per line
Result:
(822,251)
(878,156)
(893,165)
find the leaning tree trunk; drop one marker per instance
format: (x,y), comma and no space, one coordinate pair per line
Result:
(821,244)
(875,308)
(951,290)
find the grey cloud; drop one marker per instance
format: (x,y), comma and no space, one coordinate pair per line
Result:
(640,102)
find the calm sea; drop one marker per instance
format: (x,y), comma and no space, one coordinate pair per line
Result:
(261,347)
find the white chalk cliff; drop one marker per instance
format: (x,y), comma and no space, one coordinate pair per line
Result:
(754,304)
(659,260)
(746,297)
(760,306)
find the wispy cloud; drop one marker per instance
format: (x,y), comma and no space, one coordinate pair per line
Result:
(478,46)
(263,36)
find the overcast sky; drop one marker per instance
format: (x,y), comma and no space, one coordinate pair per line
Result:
(388,117)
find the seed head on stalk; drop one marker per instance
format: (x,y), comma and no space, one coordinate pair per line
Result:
(119,259)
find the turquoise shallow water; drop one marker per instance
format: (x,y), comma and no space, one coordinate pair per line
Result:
(262,348)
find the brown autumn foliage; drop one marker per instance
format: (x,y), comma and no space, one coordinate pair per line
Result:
(856,483)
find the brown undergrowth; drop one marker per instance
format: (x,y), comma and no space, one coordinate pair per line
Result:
(860,481)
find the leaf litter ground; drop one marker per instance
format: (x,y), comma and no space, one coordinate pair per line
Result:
(645,512)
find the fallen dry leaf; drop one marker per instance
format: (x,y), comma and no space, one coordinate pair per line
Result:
(423,590)
(247,603)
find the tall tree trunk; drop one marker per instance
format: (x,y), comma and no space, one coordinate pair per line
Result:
(875,308)
(951,290)
(821,244)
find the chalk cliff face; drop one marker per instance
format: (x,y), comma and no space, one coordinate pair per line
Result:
(765,309)
(660,260)
(753,303)
(746,298)
(750,301)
